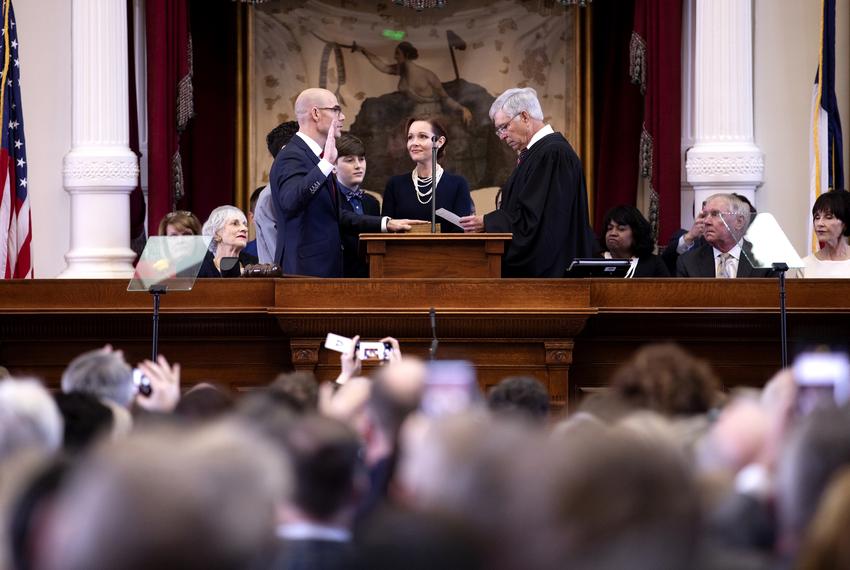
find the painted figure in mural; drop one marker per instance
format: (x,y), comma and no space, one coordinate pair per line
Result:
(419,83)
(544,202)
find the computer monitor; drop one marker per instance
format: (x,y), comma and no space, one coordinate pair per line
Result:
(595,267)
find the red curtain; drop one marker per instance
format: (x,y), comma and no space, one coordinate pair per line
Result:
(209,144)
(206,143)
(618,108)
(167,31)
(658,33)
(637,70)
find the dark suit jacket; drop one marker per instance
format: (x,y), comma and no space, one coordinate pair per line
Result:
(314,554)
(699,262)
(353,262)
(208,268)
(670,255)
(308,215)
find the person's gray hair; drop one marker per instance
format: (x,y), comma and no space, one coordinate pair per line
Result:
(102,374)
(514,101)
(737,207)
(29,417)
(218,218)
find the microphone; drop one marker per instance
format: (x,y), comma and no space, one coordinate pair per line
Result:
(434,342)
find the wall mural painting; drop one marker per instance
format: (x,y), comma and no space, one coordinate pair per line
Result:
(387,63)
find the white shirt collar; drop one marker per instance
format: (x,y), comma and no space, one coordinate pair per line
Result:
(547,130)
(314,146)
(734,253)
(313,531)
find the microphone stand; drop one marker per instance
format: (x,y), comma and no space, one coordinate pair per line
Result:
(156,291)
(433,184)
(432,352)
(781,268)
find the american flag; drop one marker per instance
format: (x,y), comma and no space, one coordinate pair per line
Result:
(15,258)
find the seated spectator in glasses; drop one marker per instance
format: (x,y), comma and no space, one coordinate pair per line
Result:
(628,236)
(228,227)
(684,240)
(831,222)
(724,255)
(179,223)
(350,170)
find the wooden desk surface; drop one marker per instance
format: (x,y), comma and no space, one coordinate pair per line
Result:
(569,333)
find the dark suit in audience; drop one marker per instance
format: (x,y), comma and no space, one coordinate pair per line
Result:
(700,262)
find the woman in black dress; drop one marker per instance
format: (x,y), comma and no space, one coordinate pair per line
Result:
(409,195)
(628,236)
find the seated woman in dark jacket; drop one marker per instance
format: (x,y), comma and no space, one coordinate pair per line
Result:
(628,236)
(228,227)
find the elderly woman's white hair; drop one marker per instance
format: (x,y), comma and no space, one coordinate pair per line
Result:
(218,218)
(29,417)
(514,101)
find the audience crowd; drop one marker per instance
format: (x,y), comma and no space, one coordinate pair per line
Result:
(663,470)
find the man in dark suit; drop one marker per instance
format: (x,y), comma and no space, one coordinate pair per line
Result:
(724,255)
(350,171)
(306,197)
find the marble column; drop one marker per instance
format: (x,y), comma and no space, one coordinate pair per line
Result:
(100,170)
(724,157)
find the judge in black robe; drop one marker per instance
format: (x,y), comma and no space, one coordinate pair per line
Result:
(544,202)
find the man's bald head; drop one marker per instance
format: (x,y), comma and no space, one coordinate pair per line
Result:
(318,114)
(313,97)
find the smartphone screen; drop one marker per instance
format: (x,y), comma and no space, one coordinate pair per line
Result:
(450,387)
(822,379)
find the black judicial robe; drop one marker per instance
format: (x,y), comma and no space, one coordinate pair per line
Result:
(544,206)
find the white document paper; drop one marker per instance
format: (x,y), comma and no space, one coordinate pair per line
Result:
(337,342)
(449,217)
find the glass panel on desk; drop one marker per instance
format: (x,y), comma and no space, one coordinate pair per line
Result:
(170,261)
(765,244)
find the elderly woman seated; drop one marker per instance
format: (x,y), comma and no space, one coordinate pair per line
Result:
(228,227)
(629,236)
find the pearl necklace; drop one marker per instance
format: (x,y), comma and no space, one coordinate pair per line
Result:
(423,186)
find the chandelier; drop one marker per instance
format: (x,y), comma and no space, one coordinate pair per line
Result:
(420,5)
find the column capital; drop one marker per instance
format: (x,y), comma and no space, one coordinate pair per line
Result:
(96,170)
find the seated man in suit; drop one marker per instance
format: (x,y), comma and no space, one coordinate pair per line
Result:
(350,170)
(684,240)
(726,219)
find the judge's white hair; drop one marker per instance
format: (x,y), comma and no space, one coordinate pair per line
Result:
(218,218)
(514,101)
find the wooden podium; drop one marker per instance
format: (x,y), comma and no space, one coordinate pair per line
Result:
(416,255)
